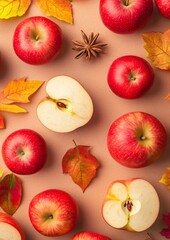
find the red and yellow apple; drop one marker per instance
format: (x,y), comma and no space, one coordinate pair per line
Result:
(53,212)
(10,228)
(37,40)
(131,205)
(24,151)
(125,16)
(163,7)
(136,139)
(89,236)
(130,76)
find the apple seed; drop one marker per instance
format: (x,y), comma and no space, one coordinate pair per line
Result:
(61,105)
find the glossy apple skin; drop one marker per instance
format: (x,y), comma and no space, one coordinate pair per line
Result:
(163,7)
(53,212)
(37,40)
(124,18)
(24,151)
(136,139)
(89,236)
(5,218)
(130,76)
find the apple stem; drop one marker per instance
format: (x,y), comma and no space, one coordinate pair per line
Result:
(51,216)
(131,76)
(142,138)
(126,2)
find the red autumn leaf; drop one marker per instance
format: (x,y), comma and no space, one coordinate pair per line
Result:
(10,193)
(80,165)
(166,231)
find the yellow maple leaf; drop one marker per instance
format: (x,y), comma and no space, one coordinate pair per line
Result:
(13,8)
(1,172)
(157,45)
(60,9)
(17,91)
(165,179)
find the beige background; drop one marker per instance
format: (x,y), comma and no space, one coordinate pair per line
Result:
(107,107)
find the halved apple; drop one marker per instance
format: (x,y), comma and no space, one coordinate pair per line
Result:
(10,228)
(67,105)
(131,204)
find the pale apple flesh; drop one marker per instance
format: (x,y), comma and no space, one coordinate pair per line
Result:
(67,106)
(132,205)
(10,228)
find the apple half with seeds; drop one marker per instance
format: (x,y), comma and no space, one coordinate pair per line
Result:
(67,105)
(131,205)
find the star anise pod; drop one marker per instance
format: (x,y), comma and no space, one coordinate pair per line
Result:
(89,47)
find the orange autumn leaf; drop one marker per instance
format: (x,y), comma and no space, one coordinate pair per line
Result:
(13,8)
(157,44)
(19,91)
(165,179)
(80,165)
(2,123)
(60,9)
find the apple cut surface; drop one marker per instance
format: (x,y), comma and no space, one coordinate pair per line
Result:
(8,232)
(132,205)
(10,228)
(68,106)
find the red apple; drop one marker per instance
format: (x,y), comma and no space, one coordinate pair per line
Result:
(163,7)
(37,40)
(10,228)
(136,139)
(130,76)
(131,204)
(53,212)
(89,236)
(24,151)
(125,16)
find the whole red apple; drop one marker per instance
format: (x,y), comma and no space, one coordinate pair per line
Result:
(24,151)
(89,236)
(163,7)
(125,16)
(130,76)
(53,212)
(37,40)
(136,139)
(10,228)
